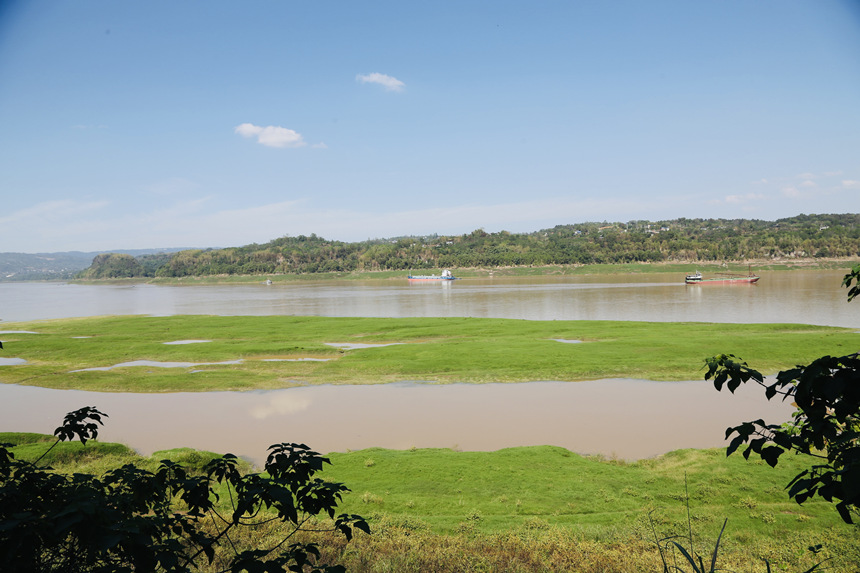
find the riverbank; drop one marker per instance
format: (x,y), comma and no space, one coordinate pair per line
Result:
(216,353)
(543,508)
(679,268)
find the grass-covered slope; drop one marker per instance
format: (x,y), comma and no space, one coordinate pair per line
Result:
(543,508)
(515,486)
(274,352)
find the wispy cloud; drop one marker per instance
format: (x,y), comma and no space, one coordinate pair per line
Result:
(194,223)
(805,191)
(390,83)
(185,221)
(742,199)
(271,136)
(53,225)
(51,211)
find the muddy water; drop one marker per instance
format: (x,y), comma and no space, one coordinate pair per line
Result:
(630,419)
(808,297)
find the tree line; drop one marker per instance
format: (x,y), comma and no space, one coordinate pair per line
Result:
(676,240)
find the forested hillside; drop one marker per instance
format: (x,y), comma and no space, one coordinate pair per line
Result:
(679,240)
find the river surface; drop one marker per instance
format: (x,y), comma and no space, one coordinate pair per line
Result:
(627,418)
(807,297)
(630,419)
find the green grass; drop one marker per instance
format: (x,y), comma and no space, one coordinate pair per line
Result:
(93,457)
(514,487)
(470,350)
(544,508)
(511,487)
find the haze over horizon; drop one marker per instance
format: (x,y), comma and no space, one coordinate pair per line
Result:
(156,124)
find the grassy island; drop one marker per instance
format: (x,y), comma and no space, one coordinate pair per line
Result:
(206,353)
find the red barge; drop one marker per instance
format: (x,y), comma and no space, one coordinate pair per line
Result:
(721,279)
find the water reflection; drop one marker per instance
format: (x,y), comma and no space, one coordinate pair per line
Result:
(155,364)
(628,418)
(279,404)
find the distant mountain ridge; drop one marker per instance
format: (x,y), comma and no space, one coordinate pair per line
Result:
(57,266)
(676,240)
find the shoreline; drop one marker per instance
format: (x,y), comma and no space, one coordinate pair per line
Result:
(679,267)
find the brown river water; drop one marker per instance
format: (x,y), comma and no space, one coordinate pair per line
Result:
(626,418)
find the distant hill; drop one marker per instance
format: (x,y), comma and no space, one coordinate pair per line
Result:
(57,266)
(676,240)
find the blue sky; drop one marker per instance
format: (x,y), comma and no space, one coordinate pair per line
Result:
(146,124)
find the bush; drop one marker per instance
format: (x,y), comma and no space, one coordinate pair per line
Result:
(167,520)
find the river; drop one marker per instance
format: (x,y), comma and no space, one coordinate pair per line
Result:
(626,418)
(807,297)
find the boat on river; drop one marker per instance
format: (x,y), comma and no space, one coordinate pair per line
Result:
(445,276)
(721,279)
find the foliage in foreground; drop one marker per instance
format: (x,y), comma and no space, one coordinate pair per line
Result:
(168,520)
(826,424)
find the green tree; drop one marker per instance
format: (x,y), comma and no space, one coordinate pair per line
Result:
(131,519)
(825,426)
(113,266)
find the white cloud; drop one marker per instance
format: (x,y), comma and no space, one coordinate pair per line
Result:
(319,145)
(850,184)
(390,83)
(790,192)
(808,183)
(271,136)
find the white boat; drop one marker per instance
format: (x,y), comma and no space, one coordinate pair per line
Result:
(445,276)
